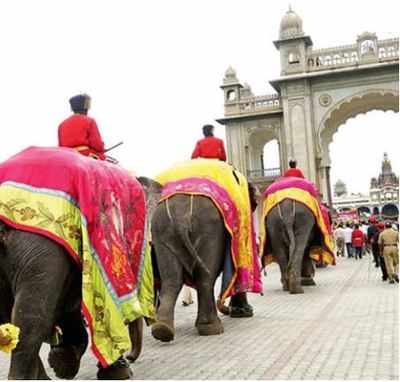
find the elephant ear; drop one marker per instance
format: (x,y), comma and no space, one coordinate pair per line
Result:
(152,190)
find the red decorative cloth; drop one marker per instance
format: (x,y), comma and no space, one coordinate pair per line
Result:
(97,211)
(81,130)
(294,172)
(211,148)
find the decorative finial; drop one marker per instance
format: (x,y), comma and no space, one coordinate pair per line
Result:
(290,7)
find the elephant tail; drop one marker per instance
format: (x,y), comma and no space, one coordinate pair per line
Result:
(288,223)
(194,259)
(182,225)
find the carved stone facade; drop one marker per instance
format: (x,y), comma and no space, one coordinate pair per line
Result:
(317,92)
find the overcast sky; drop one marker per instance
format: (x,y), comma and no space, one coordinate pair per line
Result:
(153,69)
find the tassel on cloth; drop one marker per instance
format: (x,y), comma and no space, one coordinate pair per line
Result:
(9,337)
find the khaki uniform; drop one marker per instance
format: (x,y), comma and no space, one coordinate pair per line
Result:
(388,240)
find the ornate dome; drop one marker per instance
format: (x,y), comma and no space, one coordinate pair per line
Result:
(230,73)
(291,25)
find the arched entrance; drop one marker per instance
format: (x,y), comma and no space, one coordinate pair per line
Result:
(364,210)
(346,108)
(390,211)
(264,156)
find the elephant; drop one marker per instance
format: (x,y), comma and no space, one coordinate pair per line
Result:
(40,288)
(189,238)
(291,231)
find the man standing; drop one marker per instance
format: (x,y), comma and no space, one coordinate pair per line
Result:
(80,131)
(210,146)
(293,170)
(372,232)
(357,241)
(388,243)
(339,237)
(347,239)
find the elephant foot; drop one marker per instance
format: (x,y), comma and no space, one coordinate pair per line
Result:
(308,281)
(285,286)
(65,361)
(295,286)
(118,370)
(296,289)
(162,331)
(210,329)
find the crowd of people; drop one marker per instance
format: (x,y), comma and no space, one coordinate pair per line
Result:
(356,239)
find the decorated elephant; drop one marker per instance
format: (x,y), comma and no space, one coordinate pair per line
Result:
(60,263)
(294,231)
(195,242)
(41,293)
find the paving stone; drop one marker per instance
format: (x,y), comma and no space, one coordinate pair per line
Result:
(344,328)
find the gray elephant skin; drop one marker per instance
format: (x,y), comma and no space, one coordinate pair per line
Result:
(291,231)
(189,238)
(40,287)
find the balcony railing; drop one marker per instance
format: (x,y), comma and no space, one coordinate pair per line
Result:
(349,55)
(265,173)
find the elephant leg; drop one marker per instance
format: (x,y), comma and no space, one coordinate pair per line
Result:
(136,335)
(207,321)
(41,371)
(240,306)
(40,291)
(7,301)
(65,358)
(307,271)
(302,235)
(35,327)
(211,247)
(280,254)
(171,273)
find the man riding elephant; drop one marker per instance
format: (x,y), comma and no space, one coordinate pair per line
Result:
(73,240)
(79,131)
(202,227)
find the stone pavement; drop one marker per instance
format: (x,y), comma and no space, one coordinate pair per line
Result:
(344,328)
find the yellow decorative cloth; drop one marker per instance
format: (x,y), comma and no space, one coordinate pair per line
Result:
(325,253)
(228,189)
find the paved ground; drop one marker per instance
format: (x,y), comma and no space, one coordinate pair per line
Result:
(344,328)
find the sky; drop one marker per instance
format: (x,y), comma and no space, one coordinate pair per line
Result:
(153,70)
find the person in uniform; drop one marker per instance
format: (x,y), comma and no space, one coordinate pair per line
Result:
(210,146)
(388,243)
(293,170)
(79,131)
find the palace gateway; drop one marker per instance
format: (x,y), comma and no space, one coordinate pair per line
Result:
(318,90)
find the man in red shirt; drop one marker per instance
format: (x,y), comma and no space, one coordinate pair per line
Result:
(357,240)
(80,131)
(209,147)
(293,170)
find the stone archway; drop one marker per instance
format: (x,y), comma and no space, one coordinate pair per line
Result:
(364,210)
(390,211)
(258,138)
(348,107)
